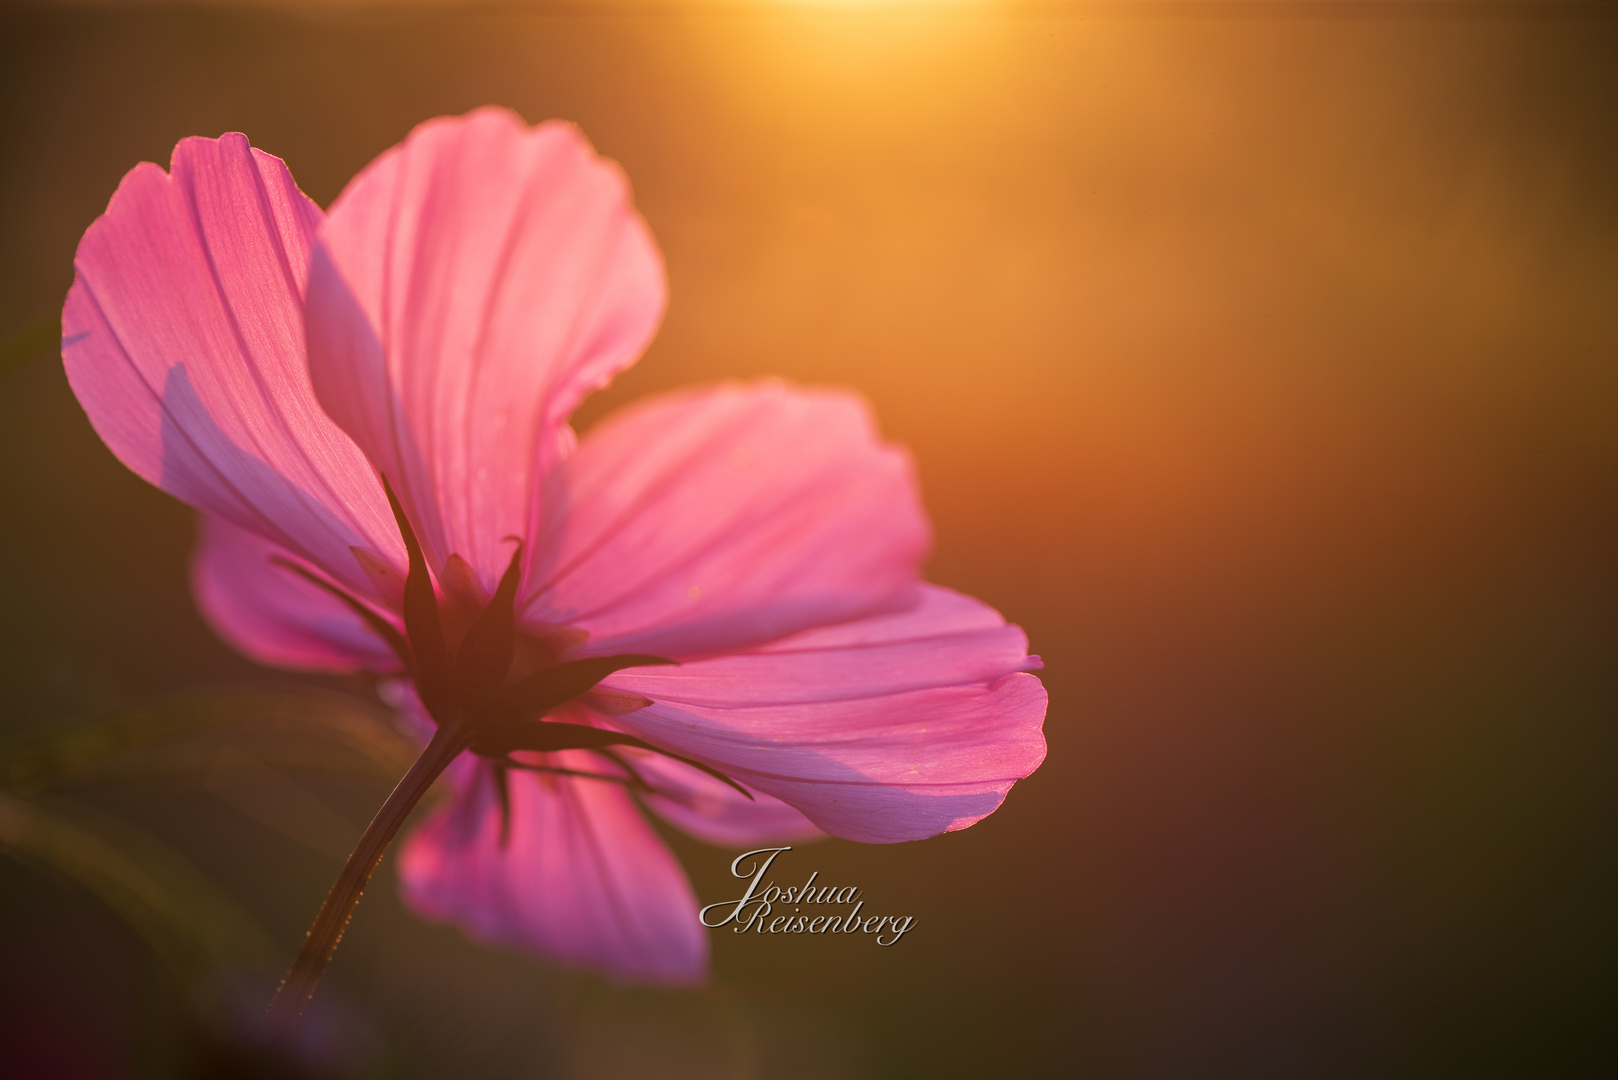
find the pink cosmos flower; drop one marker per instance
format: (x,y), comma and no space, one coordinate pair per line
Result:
(278,368)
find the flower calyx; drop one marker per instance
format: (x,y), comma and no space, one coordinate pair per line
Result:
(470,689)
(468,692)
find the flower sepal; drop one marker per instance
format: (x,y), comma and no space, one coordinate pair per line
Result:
(548,736)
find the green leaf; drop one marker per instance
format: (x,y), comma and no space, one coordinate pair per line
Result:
(193,926)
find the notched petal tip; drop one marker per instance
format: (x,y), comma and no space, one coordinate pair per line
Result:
(183,343)
(489,263)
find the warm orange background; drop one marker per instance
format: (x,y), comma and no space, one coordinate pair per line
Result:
(1261,360)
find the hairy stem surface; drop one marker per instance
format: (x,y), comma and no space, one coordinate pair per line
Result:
(299,985)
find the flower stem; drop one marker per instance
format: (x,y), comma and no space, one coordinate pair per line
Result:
(299,985)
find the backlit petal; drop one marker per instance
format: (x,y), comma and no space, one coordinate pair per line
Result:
(721,518)
(183,339)
(582,878)
(892,728)
(710,810)
(273,615)
(470,286)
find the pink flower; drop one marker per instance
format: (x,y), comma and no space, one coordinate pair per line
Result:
(271,365)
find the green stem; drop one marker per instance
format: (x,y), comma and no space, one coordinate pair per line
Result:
(299,985)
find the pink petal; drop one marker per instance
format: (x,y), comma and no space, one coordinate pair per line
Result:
(893,728)
(582,880)
(273,615)
(471,285)
(709,520)
(716,812)
(183,339)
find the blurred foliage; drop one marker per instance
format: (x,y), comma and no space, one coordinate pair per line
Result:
(192,734)
(196,930)
(231,740)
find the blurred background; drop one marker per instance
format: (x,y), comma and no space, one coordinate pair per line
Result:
(1260,359)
